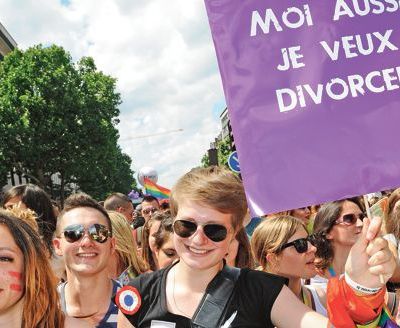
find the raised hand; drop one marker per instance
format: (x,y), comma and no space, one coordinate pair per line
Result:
(370,262)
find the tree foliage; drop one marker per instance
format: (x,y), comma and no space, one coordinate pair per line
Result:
(58,118)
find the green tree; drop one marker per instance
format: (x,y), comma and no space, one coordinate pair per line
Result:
(60,118)
(3,170)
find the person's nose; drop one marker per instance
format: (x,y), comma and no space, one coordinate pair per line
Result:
(86,241)
(199,237)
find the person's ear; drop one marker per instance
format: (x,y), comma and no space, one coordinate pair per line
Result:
(57,246)
(329,236)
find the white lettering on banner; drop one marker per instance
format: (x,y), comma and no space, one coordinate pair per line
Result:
(346,47)
(339,89)
(292,18)
(351,8)
(348,44)
(290,56)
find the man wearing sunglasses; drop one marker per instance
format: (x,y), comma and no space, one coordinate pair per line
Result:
(84,239)
(150,205)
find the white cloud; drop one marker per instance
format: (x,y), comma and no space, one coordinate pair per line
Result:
(162,54)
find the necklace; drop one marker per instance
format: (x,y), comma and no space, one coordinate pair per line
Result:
(173,297)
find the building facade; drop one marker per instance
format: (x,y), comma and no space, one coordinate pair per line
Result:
(226,129)
(7,43)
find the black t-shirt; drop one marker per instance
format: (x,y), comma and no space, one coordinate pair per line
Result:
(254,294)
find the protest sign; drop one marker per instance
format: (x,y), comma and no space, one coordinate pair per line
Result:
(313,93)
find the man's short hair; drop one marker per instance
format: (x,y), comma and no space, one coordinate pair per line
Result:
(116,200)
(214,187)
(149,199)
(82,200)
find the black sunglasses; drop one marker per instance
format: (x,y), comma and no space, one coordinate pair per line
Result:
(350,219)
(214,232)
(301,245)
(96,232)
(150,210)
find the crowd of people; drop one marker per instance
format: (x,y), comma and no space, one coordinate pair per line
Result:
(196,261)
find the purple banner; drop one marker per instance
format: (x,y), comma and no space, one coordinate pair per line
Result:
(313,93)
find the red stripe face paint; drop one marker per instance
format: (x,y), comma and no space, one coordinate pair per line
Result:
(16,287)
(15,274)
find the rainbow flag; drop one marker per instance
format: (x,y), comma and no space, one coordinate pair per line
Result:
(155,190)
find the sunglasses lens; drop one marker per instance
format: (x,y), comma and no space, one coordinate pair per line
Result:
(301,245)
(215,232)
(349,219)
(74,233)
(184,228)
(99,233)
(149,210)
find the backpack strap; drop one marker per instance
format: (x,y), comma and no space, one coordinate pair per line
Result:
(218,294)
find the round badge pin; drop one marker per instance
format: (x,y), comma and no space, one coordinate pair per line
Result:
(128,300)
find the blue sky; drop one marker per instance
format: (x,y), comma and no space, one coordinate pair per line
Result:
(162,54)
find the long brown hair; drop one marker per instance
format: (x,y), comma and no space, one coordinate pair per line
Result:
(392,223)
(147,254)
(36,199)
(323,224)
(41,307)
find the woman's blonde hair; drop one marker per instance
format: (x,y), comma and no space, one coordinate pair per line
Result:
(41,307)
(25,215)
(271,235)
(125,245)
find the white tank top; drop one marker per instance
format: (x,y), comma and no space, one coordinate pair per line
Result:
(319,307)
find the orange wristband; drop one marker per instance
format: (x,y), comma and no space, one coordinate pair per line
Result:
(345,308)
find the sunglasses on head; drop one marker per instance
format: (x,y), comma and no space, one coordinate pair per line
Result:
(149,210)
(350,219)
(97,232)
(301,245)
(214,232)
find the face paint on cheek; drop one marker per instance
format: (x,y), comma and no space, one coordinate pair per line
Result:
(15,274)
(12,276)
(16,287)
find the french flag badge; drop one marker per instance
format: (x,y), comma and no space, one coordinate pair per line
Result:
(128,300)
